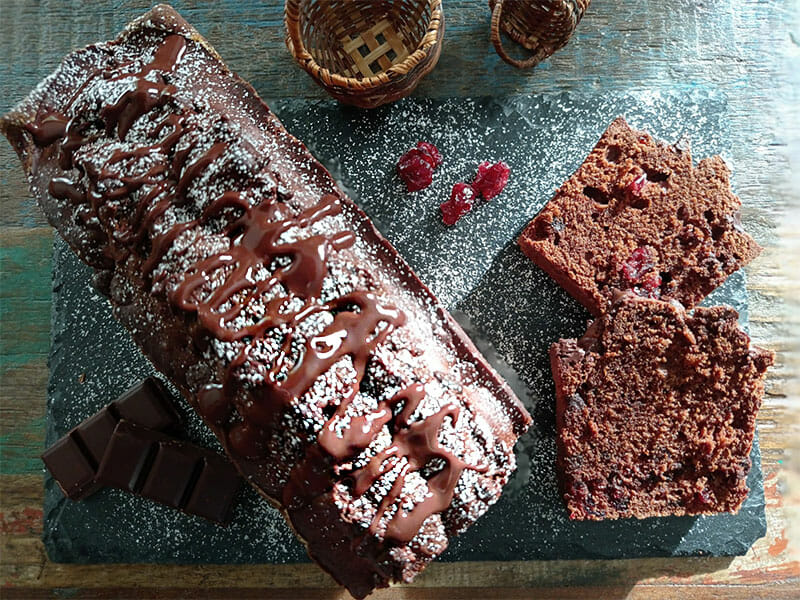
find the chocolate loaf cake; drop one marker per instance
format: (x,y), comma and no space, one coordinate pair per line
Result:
(656,411)
(637,215)
(336,382)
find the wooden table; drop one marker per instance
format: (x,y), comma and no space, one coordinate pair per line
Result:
(747,49)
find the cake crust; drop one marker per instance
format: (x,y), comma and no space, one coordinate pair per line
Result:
(656,411)
(336,382)
(638,215)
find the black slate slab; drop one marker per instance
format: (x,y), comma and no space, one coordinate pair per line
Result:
(512,310)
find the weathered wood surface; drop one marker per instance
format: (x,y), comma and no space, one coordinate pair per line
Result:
(747,49)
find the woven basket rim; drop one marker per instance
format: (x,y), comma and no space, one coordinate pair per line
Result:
(304,58)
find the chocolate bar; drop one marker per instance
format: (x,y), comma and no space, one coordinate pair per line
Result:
(176,473)
(73,460)
(334,379)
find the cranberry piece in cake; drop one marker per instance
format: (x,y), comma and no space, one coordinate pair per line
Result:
(638,201)
(656,411)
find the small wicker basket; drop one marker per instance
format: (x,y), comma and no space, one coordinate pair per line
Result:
(365,52)
(541,26)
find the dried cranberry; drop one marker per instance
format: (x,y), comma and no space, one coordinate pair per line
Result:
(415,169)
(580,493)
(650,284)
(637,273)
(616,492)
(639,263)
(460,203)
(635,187)
(704,499)
(432,153)
(491,179)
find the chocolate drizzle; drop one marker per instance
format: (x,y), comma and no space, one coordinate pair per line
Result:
(255,245)
(148,94)
(414,446)
(120,116)
(362,429)
(50,128)
(418,444)
(264,261)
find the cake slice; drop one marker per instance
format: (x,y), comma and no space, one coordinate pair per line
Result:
(656,411)
(337,383)
(638,215)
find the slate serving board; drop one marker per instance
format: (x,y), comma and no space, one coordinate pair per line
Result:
(511,309)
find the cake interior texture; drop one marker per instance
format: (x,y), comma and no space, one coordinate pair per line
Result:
(638,215)
(656,411)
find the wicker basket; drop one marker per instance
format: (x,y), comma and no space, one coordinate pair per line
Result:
(365,52)
(541,26)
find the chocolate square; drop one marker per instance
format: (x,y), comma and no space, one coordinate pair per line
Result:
(126,457)
(148,404)
(95,433)
(71,468)
(171,473)
(215,490)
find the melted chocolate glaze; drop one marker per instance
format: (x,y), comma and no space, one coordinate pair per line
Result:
(418,443)
(49,129)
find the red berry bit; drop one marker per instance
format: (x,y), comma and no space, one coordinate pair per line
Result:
(461,199)
(432,152)
(581,496)
(415,170)
(491,179)
(416,166)
(704,500)
(651,285)
(637,272)
(634,192)
(636,186)
(637,265)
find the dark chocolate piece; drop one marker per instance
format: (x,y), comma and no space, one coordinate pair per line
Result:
(70,466)
(214,491)
(174,467)
(270,300)
(95,432)
(656,411)
(146,403)
(637,215)
(123,464)
(176,473)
